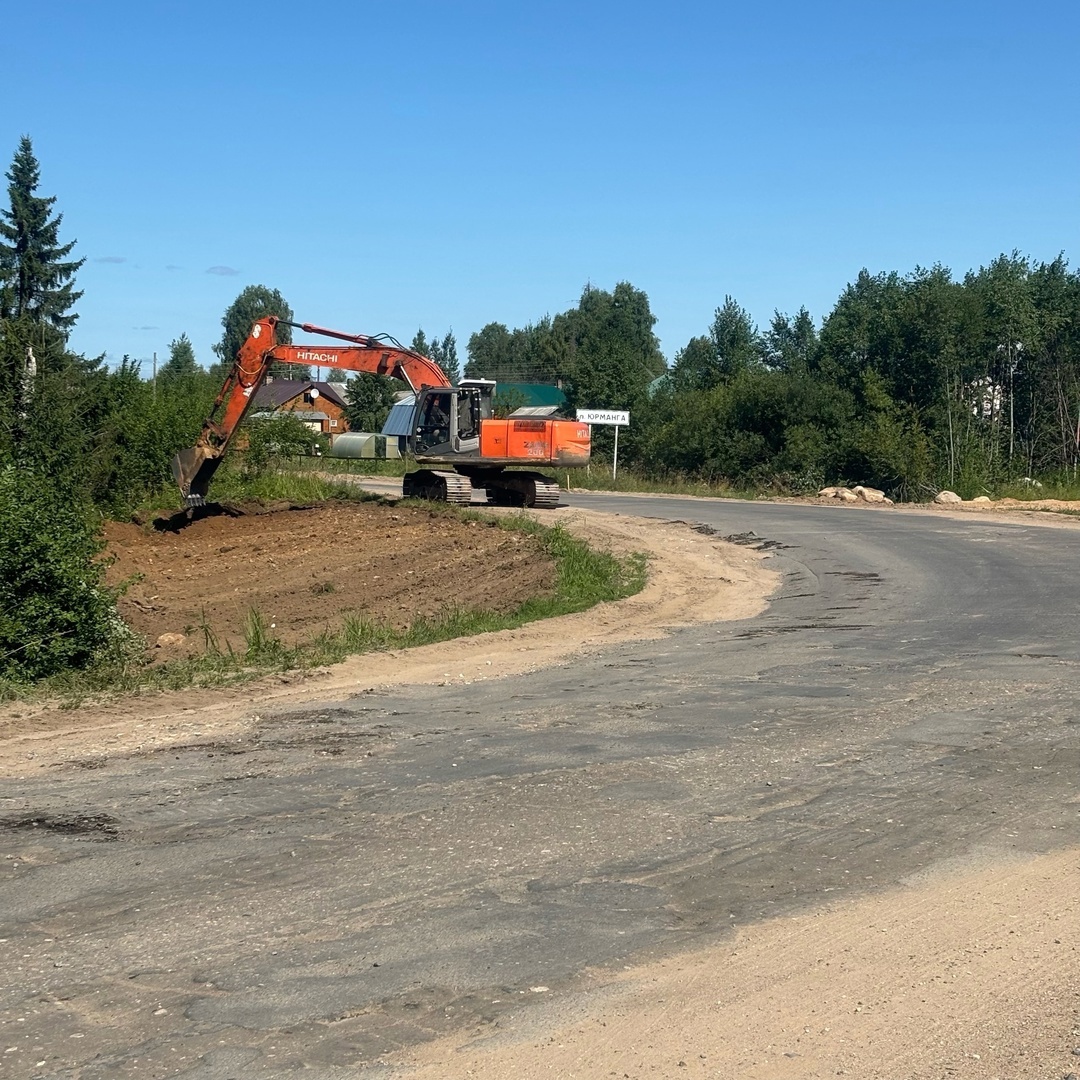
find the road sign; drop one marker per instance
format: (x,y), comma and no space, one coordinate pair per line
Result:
(611,417)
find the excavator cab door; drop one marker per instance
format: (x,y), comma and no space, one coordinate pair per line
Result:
(468,416)
(435,414)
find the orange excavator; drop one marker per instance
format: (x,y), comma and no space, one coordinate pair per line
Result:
(454,433)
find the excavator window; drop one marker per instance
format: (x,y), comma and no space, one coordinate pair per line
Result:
(468,414)
(435,421)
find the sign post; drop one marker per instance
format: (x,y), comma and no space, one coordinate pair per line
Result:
(615,418)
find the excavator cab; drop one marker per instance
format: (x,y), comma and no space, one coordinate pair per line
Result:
(447,420)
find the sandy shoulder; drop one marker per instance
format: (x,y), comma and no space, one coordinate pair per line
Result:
(970,974)
(693,578)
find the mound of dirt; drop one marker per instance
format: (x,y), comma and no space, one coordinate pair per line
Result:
(304,568)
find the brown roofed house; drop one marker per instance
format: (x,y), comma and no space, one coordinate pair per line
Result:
(312,402)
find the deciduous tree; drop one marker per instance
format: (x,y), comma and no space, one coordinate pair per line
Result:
(369,398)
(254,303)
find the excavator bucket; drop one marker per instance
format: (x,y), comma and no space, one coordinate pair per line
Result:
(192,470)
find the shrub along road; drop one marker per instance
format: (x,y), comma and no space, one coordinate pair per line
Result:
(638,861)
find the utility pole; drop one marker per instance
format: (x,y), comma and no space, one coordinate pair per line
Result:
(153,382)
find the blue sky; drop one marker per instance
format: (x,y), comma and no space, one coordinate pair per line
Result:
(389,166)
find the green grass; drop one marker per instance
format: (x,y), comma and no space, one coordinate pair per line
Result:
(597,477)
(234,485)
(1051,488)
(352,466)
(584,577)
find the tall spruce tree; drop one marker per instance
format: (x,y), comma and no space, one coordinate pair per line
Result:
(181,363)
(444,353)
(35,272)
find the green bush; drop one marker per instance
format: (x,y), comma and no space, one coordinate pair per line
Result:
(281,437)
(55,612)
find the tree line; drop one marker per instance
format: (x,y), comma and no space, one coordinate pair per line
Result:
(911,383)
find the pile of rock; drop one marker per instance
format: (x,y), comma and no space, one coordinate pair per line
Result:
(947,497)
(859,493)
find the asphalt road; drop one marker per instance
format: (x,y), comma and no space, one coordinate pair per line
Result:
(355,877)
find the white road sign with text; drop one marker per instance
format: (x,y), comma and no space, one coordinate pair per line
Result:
(604,416)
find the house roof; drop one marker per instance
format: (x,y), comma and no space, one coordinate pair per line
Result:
(399,421)
(533,393)
(272,395)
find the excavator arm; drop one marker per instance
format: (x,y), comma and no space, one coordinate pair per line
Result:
(194,467)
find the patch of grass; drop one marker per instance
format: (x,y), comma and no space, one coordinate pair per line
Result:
(584,577)
(1065,488)
(235,485)
(597,477)
(355,466)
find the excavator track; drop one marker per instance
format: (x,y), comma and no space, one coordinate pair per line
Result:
(523,489)
(546,495)
(437,486)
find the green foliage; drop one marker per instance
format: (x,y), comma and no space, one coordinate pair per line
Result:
(442,350)
(369,399)
(256,302)
(490,353)
(279,437)
(695,365)
(138,430)
(55,612)
(791,344)
(444,353)
(613,353)
(295,481)
(35,272)
(762,428)
(508,400)
(603,352)
(932,383)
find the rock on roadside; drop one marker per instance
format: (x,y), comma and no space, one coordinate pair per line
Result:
(856,494)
